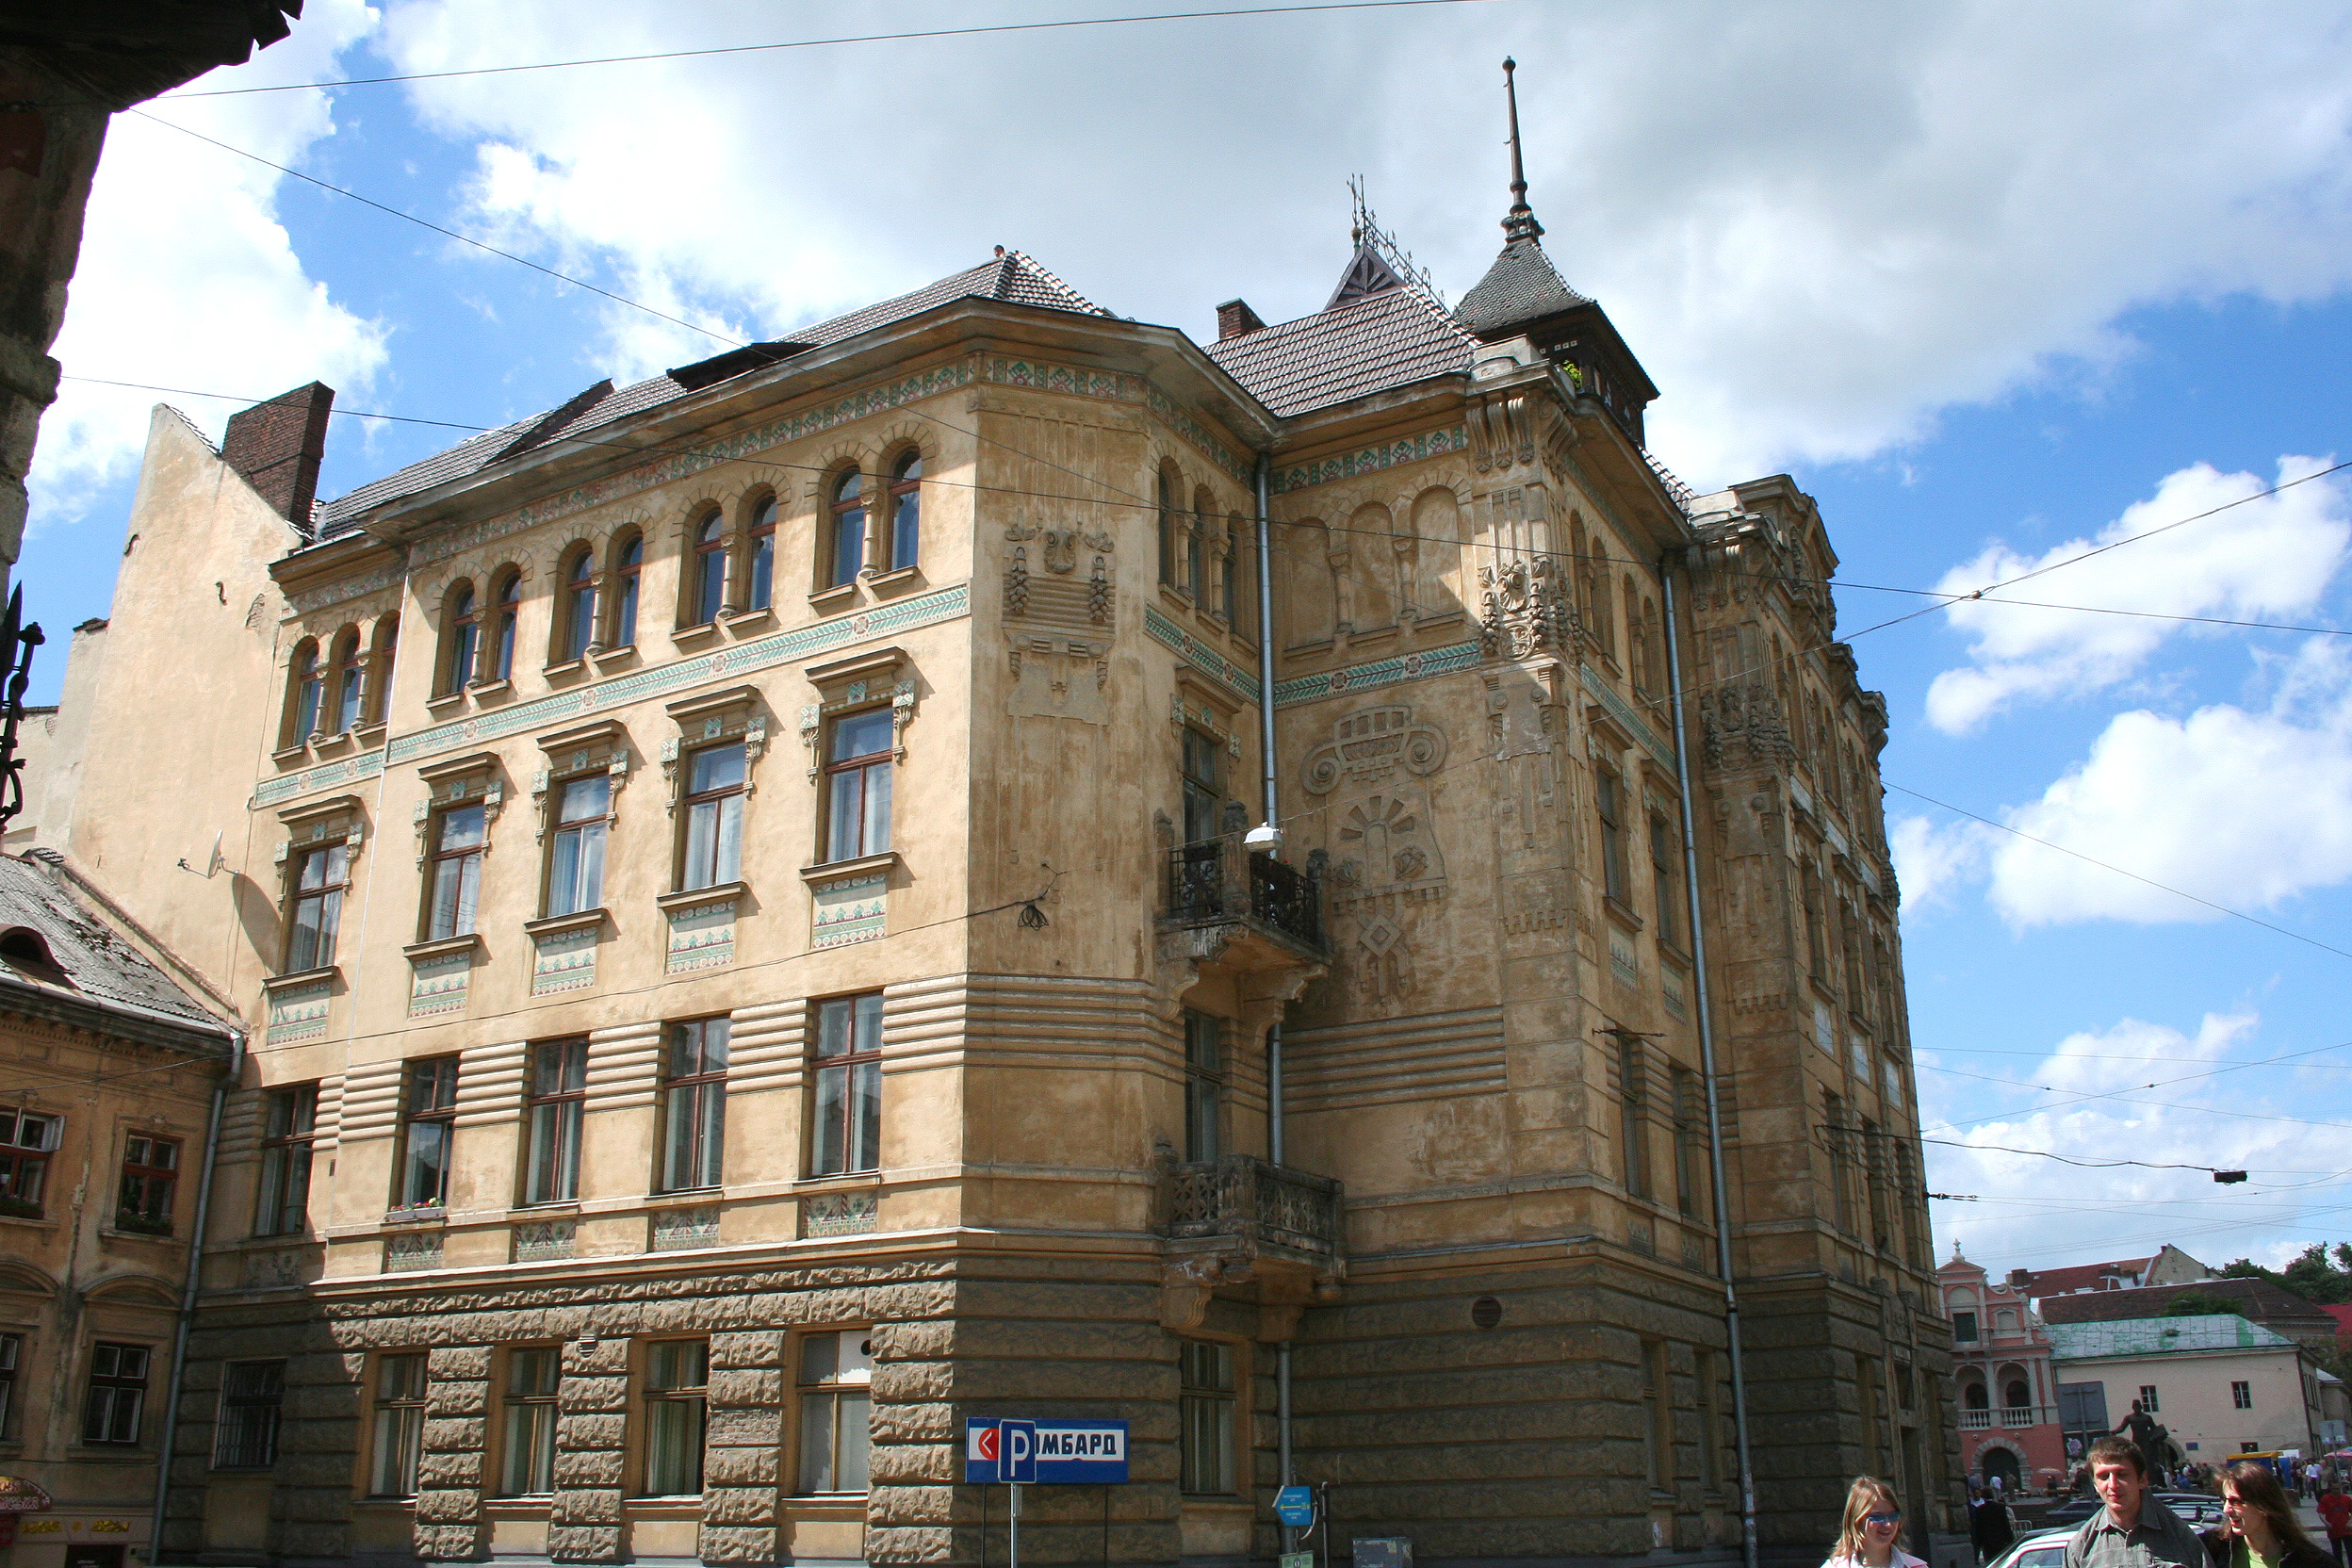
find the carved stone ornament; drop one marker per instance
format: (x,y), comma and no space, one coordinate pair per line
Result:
(1369,745)
(1526,609)
(1741,726)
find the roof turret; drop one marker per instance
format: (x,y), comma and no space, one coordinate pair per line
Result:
(1522,287)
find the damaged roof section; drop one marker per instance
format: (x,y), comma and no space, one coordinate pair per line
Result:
(58,958)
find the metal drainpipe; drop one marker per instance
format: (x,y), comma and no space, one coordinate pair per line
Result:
(1274,1138)
(1706,1071)
(188,1294)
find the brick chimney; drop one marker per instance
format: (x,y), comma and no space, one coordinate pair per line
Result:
(1234,317)
(277,445)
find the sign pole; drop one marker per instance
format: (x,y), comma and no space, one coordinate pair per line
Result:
(1012,1536)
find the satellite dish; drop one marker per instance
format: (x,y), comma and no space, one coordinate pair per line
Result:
(213,860)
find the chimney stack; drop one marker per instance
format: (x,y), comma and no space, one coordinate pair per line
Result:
(277,447)
(1234,317)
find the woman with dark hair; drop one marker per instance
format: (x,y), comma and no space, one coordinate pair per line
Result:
(2259,1529)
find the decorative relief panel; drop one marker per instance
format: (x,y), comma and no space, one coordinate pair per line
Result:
(853,910)
(438,985)
(1385,861)
(1061,626)
(299,1013)
(563,960)
(543,1240)
(678,1229)
(702,936)
(404,1251)
(1526,609)
(838,1214)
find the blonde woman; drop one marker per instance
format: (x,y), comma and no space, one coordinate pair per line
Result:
(1873,1525)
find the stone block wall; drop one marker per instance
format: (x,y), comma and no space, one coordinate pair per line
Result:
(590,1451)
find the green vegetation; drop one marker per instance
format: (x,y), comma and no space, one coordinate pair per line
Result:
(2321,1273)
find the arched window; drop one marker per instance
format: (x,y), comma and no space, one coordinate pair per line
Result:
(309,692)
(2019,1397)
(388,643)
(1975,1397)
(846,535)
(708,575)
(461,639)
(906,511)
(510,597)
(629,565)
(760,578)
(1232,568)
(349,682)
(1168,529)
(1196,548)
(1637,651)
(576,620)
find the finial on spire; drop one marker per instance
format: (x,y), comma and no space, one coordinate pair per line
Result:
(1519,223)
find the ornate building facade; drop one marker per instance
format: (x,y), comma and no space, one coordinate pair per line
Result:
(2006,1389)
(745,890)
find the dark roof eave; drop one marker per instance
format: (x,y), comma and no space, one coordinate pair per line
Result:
(1309,426)
(121,1020)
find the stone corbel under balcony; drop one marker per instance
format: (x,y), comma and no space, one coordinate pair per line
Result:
(1270,1232)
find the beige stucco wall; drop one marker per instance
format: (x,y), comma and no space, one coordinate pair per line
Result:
(2194,1402)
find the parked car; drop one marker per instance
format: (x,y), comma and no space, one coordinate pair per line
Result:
(2042,1548)
(2202,1510)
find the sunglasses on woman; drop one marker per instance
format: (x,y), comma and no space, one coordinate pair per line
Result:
(1882,1518)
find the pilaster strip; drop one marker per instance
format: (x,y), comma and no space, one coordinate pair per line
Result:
(624,1066)
(371,1100)
(490,1083)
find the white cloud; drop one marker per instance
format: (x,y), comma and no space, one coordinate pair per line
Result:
(2262,559)
(2128,1055)
(187,279)
(1931,860)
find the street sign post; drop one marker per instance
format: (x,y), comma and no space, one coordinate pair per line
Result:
(1054,1453)
(1295,1505)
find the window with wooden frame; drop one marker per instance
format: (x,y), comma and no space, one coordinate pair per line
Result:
(1608,803)
(527,1396)
(576,610)
(834,1391)
(1689,1132)
(350,682)
(461,640)
(383,650)
(629,571)
(1633,1113)
(1835,1132)
(846,1128)
(1874,1180)
(27,1140)
(306,692)
(253,1400)
(1228,573)
(713,849)
(1203,774)
(1657,1415)
(1170,528)
(677,1385)
(905,535)
(428,1127)
(117,1397)
(1197,549)
(397,1435)
(150,1182)
(460,833)
(694,1105)
(706,573)
(555,1102)
(289,1127)
(857,778)
(1205,1410)
(507,611)
(1666,879)
(576,845)
(321,875)
(759,551)
(1204,1086)
(845,547)
(11,1352)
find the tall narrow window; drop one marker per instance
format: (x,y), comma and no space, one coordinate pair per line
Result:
(714,817)
(846,530)
(527,1434)
(857,785)
(399,1433)
(11,1351)
(252,1396)
(26,1142)
(1229,570)
(428,1117)
(151,1179)
(579,610)
(462,639)
(760,573)
(906,511)
(1197,555)
(2242,1396)
(1687,1135)
(1816,948)
(836,1372)
(1665,868)
(509,609)
(1657,1415)
(289,1126)
(848,1124)
(576,850)
(1204,1381)
(709,572)
(351,682)
(559,1090)
(1168,530)
(1607,793)
(118,1394)
(628,570)
(1205,1087)
(1875,1178)
(1632,1114)
(309,692)
(694,1105)
(678,1374)
(319,878)
(1834,1123)
(380,663)
(457,843)
(1203,784)
(1712,1466)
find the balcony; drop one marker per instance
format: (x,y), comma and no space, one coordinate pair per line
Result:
(2015,1418)
(1219,888)
(1267,1206)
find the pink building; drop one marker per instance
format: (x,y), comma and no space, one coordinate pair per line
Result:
(2003,1385)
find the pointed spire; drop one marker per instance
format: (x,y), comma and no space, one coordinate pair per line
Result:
(1519,223)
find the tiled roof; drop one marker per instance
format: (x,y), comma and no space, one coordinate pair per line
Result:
(2156,1336)
(1391,338)
(98,965)
(1012,276)
(1521,286)
(2086,1276)
(2256,1298)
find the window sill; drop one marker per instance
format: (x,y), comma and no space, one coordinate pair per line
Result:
(292,978)
(688,898)
(484,690)
(1622,912)
(901,576)
(333,745)
(563,671)
(827,870)
(838,1180)
(552,1208)
(438,1216)
(447,702)
(110,1234)
(370,736)
(441,947)
(1176,596)
(747,620)
(1671,949)
(555,924)
(683,1198)
(29,1221)
(288,757)
(694,636)
(613,659)
(827,601)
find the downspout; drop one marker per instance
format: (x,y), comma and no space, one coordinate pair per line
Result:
(1706,1071)
(1270,834)
(188,1294)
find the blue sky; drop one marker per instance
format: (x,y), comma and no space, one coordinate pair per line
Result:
(1992,287)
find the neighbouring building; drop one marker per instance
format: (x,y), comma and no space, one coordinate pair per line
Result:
(2220,1385)
(2004,1392)
(2168,1266)
(2256,1299)
(112,1074)
(742,883)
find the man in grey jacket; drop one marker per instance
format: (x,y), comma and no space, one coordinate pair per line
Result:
(2134,1530)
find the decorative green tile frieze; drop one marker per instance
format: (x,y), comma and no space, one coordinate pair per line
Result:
(1411,449)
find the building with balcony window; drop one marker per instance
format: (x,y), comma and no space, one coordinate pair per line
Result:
(2005,1393)
(748,887)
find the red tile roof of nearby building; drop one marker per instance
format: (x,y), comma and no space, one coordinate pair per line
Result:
(2258,1299)
(2086,1276)
(2342,1314)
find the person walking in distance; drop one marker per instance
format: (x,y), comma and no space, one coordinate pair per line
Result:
(2335,1512)
(2134,1530)
(2259,1529)
(1873,1523)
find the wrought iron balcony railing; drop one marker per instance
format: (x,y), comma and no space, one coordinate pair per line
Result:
(1217,879)
(1243,1197)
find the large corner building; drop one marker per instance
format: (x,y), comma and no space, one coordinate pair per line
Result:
(747,896)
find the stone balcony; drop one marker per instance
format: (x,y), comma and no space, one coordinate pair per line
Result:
(1240,1224)
(2014,1418)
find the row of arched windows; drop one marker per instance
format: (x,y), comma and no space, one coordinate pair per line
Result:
(1201,554)
(338,687)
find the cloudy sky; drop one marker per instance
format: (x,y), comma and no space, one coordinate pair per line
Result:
(1999,284)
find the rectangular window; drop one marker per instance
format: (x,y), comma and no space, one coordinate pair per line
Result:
(400,1426)
(1196,561)
(2242,1396)
(1205,1416)
(2147,1397)
(848,1127)
(676,1374)
(253,1395)
(836,1369)
(1963,1328)
(1204,787)
(1230,570)
(151,1178)
(694,1105)
(857,785)
(428,1118)
(1632,1118)
(1875,1178)
(118,1394)
(1658,1413)
(319,883)
(1834,1123)
(1605,793)
(714,817)
(289,1123)
(526,1432)
(557,1096)
(11,1351)
(1205,1087)
(27,1141)
(1712,1466)
(457,843)
(576,857)
(1666,871)
(1687,1140)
